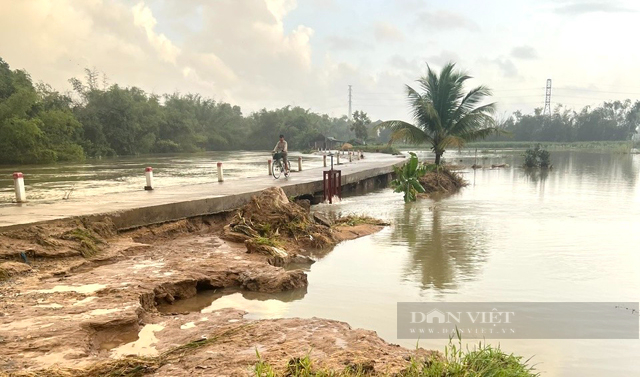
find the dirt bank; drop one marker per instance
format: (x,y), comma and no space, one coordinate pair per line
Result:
(441,182)
(89,296)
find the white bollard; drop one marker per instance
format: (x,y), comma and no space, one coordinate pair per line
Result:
(338,159)
(220,176)
(148,173)
(358,155)
(299,163)
(350,157)
(324,160)
(269,162)
(18,181)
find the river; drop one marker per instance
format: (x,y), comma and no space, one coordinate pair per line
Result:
(122,174)
(567,235)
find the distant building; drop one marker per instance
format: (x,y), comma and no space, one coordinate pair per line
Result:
(325,142)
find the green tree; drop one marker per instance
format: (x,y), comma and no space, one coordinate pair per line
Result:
(36,124)
(445,116)
(359,126)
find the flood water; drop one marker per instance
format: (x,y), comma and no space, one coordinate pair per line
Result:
(569,235)
(113,175)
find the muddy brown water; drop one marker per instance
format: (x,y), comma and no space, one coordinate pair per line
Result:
(122,174)
(570,234)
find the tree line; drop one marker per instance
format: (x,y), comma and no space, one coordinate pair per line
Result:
(614,120)
(41,125)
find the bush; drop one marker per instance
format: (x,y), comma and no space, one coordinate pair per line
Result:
(537,158)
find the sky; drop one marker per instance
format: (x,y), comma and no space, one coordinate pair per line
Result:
(273,53)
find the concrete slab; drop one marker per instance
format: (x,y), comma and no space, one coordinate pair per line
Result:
(138,208)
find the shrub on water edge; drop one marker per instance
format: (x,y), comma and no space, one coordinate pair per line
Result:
(537,158)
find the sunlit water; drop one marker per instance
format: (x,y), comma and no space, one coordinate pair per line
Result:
(570,235)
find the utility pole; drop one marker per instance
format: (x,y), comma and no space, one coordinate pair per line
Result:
(349,102)
(547,99)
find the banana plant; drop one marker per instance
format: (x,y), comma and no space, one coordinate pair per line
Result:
(407,179)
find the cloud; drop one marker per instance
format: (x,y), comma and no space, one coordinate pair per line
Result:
(325,5)
(143,18)
(443,20)
(443,58)
(340,43)
(578,8)
(386,32)
(524,52)
(507,67)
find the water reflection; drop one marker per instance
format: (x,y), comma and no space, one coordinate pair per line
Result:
(536,175)
(254,302)
(445,247)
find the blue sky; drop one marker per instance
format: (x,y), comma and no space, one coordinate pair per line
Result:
(273,53)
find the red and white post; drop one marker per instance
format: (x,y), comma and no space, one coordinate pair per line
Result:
(338,159)
(18,181)
(299,163)
(220,173)
(148,173)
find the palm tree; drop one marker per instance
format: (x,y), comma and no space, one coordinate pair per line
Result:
(445,116)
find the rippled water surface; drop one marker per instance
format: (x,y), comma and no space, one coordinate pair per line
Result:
(113,175)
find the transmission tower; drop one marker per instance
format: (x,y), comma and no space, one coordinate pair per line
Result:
(349,102)
(547,99)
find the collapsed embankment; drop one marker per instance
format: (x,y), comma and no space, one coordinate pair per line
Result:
(77,297)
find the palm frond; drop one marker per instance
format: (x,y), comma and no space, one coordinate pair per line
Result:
(407,132)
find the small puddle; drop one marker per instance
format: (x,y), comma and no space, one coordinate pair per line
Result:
(89,288)
(257,304)
(118,339)
(143,345)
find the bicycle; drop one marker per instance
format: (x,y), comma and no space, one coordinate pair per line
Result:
(277,167)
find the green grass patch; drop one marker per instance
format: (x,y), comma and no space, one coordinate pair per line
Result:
(88,242)
(353,220)
(268,241)
(481,361)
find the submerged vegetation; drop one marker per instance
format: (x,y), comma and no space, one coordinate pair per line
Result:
(407,179)
(419,178)
(537,157)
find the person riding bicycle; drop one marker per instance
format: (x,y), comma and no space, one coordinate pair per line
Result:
(281,148)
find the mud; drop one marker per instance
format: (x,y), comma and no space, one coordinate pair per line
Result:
(90,296)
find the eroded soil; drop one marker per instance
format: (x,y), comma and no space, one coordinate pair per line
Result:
(73,309)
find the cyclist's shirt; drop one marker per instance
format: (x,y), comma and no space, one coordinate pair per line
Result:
(281,146)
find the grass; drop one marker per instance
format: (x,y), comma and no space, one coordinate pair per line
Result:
(88,242)
(268,241)
(614,146)
(481,361)
(353,220)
